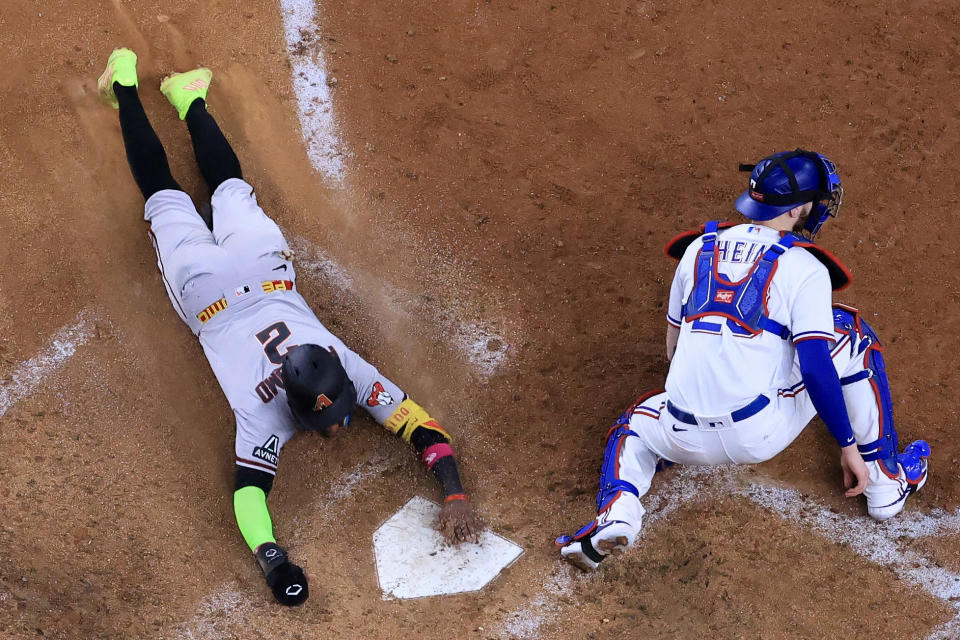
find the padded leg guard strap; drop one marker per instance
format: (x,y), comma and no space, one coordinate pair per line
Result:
(610,483)
(866,345)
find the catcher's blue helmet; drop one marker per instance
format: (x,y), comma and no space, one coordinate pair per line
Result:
(780,182)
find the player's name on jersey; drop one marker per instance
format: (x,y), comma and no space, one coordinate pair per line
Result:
(739,251)
(267,389)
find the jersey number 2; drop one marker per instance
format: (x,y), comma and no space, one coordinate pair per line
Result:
(271,338)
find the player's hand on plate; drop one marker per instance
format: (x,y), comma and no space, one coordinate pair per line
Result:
(854,470)
(458,522)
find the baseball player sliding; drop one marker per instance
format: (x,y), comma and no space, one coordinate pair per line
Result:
(756,350)
(234,286)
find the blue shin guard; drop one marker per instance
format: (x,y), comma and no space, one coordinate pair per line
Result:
(610,484)
(885,448)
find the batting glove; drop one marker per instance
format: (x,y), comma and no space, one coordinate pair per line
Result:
(285,579)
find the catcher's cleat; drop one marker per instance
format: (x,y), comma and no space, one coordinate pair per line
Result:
(886,494)
(122,68)
(588,551)
(581,555)
(181,89)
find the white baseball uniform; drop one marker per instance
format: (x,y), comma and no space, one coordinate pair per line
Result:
(716,371)
(235,289)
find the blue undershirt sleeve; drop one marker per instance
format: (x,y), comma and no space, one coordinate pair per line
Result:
(823,385)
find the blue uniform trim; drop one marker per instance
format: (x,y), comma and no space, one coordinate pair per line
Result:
(811,334)
(743,413)
(857,377)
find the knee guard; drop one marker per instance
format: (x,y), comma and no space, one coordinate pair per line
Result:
(610,483)
(865,344)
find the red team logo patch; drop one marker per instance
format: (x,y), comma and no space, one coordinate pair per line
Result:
(379,396)
(322,402)
(723,295)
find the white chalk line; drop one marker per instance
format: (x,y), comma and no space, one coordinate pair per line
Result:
(216,614)
(875,541)
(872,540)
(215,617)
(482,345)
(28,376)
(314,103)
(333,502)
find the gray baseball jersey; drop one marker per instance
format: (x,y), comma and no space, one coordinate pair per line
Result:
(244,353)
(235,288)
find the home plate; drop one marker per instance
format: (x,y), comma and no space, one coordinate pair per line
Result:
(414,561)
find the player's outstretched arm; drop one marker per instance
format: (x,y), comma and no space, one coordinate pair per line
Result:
(458,522)
(409,421)
(285,579)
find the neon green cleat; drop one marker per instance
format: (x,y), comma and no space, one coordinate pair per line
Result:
(122,68)
(182,89)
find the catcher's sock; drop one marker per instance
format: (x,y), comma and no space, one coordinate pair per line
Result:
(215,156)
(145,154)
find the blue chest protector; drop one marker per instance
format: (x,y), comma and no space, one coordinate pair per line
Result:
(741,303)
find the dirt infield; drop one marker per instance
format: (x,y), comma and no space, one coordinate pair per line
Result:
(484,219)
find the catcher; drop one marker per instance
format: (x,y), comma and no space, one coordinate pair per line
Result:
(233,283)
(757,350)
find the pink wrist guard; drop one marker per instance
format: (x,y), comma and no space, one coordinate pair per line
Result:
(434,452)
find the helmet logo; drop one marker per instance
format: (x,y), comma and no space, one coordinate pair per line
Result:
(756,195)
(322,402)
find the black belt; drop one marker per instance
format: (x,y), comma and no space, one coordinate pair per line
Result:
(740,414)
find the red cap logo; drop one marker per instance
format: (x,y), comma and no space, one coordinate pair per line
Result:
(322,402)
(756,195)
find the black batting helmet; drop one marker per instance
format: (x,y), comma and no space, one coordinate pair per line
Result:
(318,390)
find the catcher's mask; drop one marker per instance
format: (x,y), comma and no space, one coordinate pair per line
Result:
(318,390)
(780,182)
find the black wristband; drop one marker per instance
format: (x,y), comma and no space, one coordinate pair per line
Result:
(445,470)
(270,556)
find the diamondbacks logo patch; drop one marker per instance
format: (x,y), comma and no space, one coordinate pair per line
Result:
(322,402)
(269,451)
(379,396)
